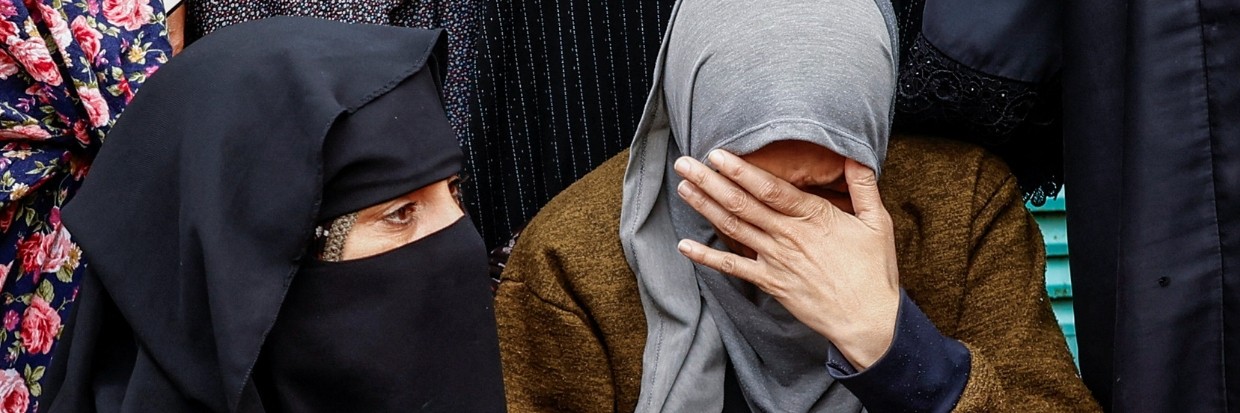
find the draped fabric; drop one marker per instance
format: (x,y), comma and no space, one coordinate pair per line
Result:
(1153,164)
(561,87)
(192,267)
(461,19)
(67,71)
(541,92)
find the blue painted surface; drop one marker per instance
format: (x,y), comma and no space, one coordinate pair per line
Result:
(1052,220)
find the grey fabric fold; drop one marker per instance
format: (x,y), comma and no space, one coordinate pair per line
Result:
(738,75)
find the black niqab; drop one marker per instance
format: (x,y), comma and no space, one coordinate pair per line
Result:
(200,213)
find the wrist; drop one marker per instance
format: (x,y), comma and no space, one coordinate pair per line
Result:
(868,340)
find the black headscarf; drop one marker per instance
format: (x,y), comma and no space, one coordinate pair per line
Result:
(199,220)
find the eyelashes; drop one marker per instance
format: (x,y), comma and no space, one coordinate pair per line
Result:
(454,186)
(403,215)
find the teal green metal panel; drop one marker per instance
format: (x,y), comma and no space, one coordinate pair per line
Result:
(1067,323)
(1054,232)
(1052,220)
(1058,280)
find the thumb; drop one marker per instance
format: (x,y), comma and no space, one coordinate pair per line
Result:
(863,189)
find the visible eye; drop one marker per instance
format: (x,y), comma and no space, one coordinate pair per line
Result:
(454,187)
(457,180)
(402,216)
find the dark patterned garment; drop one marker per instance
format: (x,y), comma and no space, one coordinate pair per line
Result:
(561,86)
(552,88)
(988,92)
(67,71)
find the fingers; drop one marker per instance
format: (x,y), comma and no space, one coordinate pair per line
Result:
(769,189)
(863,189)
(725,222)
(727,194)
(724,262)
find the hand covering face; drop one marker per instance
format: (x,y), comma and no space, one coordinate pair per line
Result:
(204,292)
(738,75)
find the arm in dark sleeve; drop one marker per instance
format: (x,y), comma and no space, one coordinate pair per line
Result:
(1016,355)
(922,371)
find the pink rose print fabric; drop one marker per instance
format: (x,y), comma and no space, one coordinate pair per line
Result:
(14,395)
(40,325)
(67,70)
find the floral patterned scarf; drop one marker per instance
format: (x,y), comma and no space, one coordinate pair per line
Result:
(67,71)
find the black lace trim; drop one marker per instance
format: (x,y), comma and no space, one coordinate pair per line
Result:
(933,85)
(498,258)
(1017,120)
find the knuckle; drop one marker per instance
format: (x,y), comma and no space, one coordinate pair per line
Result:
(813,210)
(731,225)
(868,179)
(783,231)
(770,192)
(735,201)
(823,218)
(786,254)
(728,264)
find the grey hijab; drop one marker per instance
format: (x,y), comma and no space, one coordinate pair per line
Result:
(737,75)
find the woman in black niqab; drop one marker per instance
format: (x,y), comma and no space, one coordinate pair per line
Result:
(205,290)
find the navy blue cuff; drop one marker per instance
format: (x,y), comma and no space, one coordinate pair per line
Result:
(922,371)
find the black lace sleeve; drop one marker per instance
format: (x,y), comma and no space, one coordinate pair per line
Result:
(1017,120)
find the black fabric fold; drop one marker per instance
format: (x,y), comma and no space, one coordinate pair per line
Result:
(422,350)
(201,207)
(1153,162)
(365,166)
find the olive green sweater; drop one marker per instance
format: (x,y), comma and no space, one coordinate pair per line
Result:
(572,330)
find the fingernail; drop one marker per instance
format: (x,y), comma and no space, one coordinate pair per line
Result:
(715,156)
(684,189)
(684,246)
(682,165)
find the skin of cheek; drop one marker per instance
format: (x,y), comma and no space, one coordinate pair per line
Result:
(372,235)
(806,165)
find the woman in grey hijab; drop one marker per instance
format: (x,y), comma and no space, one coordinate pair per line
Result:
(822,78)
(787,281)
